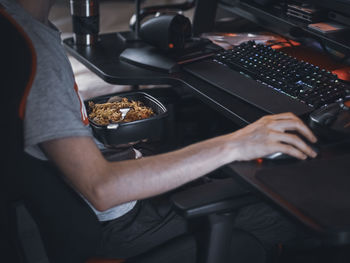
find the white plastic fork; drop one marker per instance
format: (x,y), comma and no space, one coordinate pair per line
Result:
(124,111)
(113,126)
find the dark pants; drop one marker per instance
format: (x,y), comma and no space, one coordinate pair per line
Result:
(153,222)
(149,224)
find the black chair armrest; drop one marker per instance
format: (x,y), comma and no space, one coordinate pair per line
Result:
(216,196)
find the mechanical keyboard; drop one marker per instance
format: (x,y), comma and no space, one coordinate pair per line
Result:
(270,79)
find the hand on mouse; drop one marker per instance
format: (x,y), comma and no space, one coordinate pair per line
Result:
(269,135)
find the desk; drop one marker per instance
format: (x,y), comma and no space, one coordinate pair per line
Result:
(103,59)
(312,203)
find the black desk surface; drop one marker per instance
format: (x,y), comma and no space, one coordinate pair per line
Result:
(103,59)
(315,192)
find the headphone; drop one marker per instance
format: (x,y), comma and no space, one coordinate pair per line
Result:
(167,32)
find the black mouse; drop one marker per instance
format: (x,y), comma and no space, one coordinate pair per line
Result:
(284,156)
(278,156)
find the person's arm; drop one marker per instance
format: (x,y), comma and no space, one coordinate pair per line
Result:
(106,184)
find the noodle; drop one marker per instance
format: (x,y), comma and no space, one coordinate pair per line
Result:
(106,113)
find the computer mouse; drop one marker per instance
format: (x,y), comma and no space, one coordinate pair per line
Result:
(284,156)
(278,156)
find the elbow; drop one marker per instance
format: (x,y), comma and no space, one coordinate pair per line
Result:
(100,206)
(103,197)
(99,200)
(103,191)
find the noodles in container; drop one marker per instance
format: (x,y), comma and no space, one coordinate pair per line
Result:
(112,111)
(125,118)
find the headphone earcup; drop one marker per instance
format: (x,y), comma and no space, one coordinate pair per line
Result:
(167,32)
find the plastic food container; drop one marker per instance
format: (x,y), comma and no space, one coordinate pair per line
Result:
(126,132)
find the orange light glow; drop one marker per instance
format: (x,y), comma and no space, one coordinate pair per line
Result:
(230,34)
(284,43)
(343,73)
(259,161)
(171,45)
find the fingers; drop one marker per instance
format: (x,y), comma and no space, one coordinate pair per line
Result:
(290,122)
(295,125)
(273,133)
(296,143)
(290,150)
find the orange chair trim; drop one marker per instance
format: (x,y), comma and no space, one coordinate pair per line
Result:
(34,61)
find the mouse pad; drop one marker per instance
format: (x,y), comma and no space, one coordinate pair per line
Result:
(320,189)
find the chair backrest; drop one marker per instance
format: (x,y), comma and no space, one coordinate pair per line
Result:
(12,50)
(69,229)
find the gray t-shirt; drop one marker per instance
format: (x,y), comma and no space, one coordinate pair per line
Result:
(54,108)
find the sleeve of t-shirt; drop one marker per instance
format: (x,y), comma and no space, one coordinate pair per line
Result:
(53,108)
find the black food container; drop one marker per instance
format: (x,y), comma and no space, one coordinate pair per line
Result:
(126,132)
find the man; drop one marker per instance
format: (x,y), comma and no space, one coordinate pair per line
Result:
(112,188)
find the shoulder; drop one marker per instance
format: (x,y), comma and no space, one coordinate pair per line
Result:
(45,39)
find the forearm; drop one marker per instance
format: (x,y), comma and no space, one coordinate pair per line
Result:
(150,176)
(106,184)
